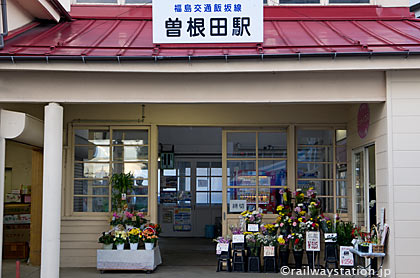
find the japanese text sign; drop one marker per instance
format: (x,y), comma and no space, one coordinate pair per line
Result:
(203,21)
(238,238)
(313,241)
(346,257)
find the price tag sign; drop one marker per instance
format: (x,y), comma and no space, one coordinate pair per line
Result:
(330,237)
(238,238)
(346,257)
(253,228)
(123,196)
(269,251)
(222,247)
(313,242)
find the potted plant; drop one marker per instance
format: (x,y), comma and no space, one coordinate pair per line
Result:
(252,220)
(297,244)
(253,242)
(284,251)
(120,239)
(134,238)
(107,240)
(149,238)
(269,243)
(330,237)
(121,185)
(312,226)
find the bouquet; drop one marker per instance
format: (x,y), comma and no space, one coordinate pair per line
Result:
(149,235)
(283,242)
(134,235)
(269,240)
(254,217)
(270,229)
(106,238)
(120,237)
(298,241)
(253,241)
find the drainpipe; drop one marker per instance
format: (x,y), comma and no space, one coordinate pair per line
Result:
(4,23)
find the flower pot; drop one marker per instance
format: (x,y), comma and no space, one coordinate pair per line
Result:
(107,246)
(284,257)
(149,245)
(254,264)
(120,246)
(298,255)
(311,256)
(363,249)
(134,246)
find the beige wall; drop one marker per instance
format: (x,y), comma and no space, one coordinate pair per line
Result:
(19,158)
(193,88)
(404,116)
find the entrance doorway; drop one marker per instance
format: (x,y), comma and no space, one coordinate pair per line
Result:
(364,187)
(190,181)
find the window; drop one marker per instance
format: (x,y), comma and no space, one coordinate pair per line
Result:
(101,152)
(249,151)
(209,183)
(321,163)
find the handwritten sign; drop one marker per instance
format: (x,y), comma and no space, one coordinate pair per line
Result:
(222,247)
(346,257)
(269,251)
(238,239)
(313,242)
(253,228)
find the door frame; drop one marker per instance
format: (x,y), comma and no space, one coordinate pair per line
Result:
(365,151)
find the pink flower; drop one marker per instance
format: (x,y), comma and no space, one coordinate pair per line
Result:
(140,214)
(281,224)
(294,224)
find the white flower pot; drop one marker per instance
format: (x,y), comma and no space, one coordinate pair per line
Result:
(149,245)
(120,246)
(107,246)
(133,246)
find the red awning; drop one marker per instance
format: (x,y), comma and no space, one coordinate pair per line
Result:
(110,31)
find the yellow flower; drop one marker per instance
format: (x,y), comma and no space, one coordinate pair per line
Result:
(300,219)
(302,212)
(311,188)
(281,240)
(280,208)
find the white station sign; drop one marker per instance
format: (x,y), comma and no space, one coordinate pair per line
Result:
(204,21)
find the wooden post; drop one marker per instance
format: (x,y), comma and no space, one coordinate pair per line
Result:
(36,208)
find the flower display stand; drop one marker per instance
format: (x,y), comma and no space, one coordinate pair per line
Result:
(238,261)
(146,260)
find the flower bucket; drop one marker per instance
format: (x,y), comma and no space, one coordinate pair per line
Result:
(120,246)
(148,245)
(298,255)
(134,246)
(107,246)
(284,257)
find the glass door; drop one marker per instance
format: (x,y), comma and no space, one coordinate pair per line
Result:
(359,189)
(364,187)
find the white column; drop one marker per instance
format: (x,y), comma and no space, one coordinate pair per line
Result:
(2,166)
(51,201)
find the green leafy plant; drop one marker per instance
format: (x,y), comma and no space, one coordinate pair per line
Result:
(344,233)
(121,184)
(106,238)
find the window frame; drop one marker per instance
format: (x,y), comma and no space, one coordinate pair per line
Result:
(110,162)
(334,164)
(257,158)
